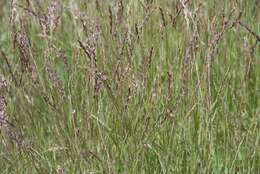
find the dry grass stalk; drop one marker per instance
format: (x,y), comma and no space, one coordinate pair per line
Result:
(185,73)
(9,67)
(56,82)
(179,8)
(14,17)
(5,126)
(111,20)
(170,84)
(116,16)
(151,54)
(98,6)
(99,80)
(191,48)
(89,48)
(120,12)
(128,98)
(162,16)
(148,12)
(121,73)
(216,36)
(257,37)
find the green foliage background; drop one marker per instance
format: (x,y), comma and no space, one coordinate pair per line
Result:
(155,110)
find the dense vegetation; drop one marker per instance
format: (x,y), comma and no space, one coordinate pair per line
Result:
(130,86)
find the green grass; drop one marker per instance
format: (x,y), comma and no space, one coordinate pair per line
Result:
(145,100)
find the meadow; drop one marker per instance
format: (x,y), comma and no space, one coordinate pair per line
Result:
(130,86)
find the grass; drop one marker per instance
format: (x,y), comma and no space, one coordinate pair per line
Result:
(129,86)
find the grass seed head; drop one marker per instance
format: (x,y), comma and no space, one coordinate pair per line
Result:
(23,45)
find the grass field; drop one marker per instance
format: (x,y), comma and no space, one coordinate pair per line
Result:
(130,86)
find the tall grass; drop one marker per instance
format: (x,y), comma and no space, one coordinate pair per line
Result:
(129,86)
